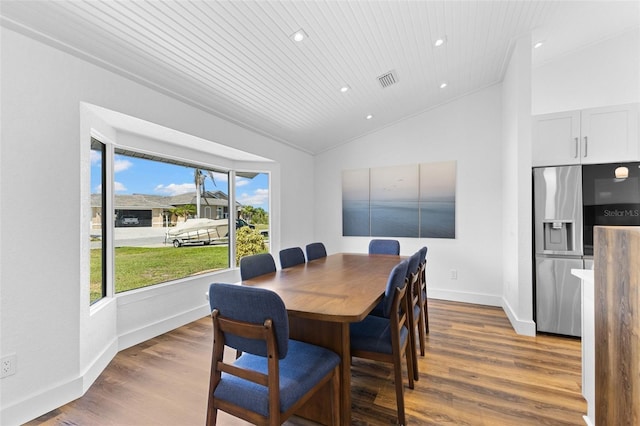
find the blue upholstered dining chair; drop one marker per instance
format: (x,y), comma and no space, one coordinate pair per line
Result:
(414,302)
(255,265)
(315,251)
(386,338)
(378,310)
(274,376)
(291,257)
(384,247)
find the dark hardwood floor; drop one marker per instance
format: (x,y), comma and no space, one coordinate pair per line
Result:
(477,371)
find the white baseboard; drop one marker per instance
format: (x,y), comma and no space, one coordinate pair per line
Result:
(93,371)
(41,402)
(465,297)
(523,327)
(150,331)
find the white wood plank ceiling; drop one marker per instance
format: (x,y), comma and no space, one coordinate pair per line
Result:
(237,60)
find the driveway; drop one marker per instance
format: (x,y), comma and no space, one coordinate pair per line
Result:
(137,236)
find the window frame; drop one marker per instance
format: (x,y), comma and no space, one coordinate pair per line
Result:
(113,150)
(103,217)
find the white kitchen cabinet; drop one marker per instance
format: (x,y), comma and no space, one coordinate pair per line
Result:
(590,136)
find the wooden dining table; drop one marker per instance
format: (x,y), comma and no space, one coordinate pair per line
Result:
(322,298)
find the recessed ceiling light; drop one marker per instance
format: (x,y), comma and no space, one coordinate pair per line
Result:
(369,117)
(344,88)
(538,44)
(443,85)
(439,42)
(298,35)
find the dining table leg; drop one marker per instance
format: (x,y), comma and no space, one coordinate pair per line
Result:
(334,336)
(345,371)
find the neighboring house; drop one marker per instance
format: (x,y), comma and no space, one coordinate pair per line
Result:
(213,204)
(155,210)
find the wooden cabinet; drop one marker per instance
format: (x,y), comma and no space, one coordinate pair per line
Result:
(617,325)
(590,136)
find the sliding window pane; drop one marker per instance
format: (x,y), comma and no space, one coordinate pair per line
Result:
(252,224)
(171,220)
(97,231)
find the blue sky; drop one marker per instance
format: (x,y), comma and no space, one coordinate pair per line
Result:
(140,176)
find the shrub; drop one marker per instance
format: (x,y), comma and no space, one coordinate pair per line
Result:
(248,241)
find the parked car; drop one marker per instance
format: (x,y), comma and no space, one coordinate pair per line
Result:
(241,222)
(129,220)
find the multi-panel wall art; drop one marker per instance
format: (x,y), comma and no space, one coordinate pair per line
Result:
(416,201)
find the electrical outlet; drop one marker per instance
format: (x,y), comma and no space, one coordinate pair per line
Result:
(8,366)
(454,274)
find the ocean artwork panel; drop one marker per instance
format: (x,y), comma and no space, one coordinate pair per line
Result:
(437,220)
(395,219)
(355,218)
(355,203)
(413,201)
(394,184)
(438,200)
(394,201)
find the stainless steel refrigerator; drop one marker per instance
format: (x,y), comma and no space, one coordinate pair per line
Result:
(558,243)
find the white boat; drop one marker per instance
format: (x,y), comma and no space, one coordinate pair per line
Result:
(198,231)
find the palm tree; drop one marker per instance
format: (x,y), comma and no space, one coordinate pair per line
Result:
(184,211)
(247,212)
(199,178)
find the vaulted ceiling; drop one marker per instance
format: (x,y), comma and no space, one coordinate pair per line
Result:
(237,59)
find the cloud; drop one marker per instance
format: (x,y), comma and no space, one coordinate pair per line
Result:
(240,181)
(121,165)
(119,187)
(175,189)
(96,156)
(260,197)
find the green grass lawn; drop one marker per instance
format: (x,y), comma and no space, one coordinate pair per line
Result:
(137,267)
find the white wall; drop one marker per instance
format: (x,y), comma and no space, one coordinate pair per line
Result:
(605,73)
(467,130)
(516,189)
(61,345)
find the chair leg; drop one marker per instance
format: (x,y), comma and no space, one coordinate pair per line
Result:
(212,414)
(397,369)
(410,357)
(422,301)
(426,315)
(414,358)
(421,331)
(412,346)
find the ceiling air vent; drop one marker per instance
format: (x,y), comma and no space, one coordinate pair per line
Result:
(387,79)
